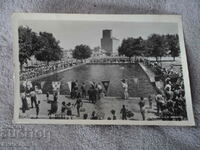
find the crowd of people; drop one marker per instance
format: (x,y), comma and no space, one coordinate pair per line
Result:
(78,94)
(113,60)
(170,102)
(95,91)
(39,70)
(30,94)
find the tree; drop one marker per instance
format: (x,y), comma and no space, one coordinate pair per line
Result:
(96,49)
(131,47)
(27,44)
(156,46)
(173,44)
(48,48)
(82,52)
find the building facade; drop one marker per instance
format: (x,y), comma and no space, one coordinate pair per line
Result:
(108,43)
(67,54)
(98,52)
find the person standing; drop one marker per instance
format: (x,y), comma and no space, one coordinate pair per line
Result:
(125,87)
(37,108)
(76,89)
(47,95)
(55,97)
(24,103)
(83,90)
(33,98)
(54,106)
(124,113)
(142,107)
(100,90)
(94,95)
(90,93)
(72,89)
(78,104)
(150,98)
(159,102)
(63,107)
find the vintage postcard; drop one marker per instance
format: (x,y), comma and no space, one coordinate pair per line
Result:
(100,69)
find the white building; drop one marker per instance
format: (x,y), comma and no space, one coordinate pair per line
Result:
(109,43)
(98,52)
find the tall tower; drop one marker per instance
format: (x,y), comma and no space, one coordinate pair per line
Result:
(106,41)
(109,43)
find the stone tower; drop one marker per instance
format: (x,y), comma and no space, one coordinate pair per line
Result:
(109,43)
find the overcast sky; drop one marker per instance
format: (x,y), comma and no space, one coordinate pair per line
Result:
(72,33)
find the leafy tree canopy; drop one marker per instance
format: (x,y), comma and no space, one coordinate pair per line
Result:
(156,45)
(28,44)
(44,46)
(82,52)
(49,49)
(131,47)
(173,44)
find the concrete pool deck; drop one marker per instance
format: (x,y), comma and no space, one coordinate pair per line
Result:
(102,107)
(149,73)
(158,84)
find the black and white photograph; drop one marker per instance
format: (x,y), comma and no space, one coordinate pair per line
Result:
(101,69)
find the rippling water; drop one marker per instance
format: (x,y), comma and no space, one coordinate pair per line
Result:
(97,73)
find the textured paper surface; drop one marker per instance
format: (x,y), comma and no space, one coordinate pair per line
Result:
(98,137)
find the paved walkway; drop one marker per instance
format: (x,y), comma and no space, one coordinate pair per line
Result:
(103,108)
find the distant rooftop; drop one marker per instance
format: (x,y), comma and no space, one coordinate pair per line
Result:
(115,38)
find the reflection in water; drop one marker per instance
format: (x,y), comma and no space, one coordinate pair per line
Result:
(97,73)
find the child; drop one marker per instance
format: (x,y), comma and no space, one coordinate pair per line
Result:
(63,108)
(69,110)
(37,108)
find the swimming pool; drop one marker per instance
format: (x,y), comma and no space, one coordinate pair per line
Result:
(114,73)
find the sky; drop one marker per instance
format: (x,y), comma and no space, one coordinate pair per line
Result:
(72,33)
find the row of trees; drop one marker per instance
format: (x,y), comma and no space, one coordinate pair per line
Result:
(43,46)
(155,46)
